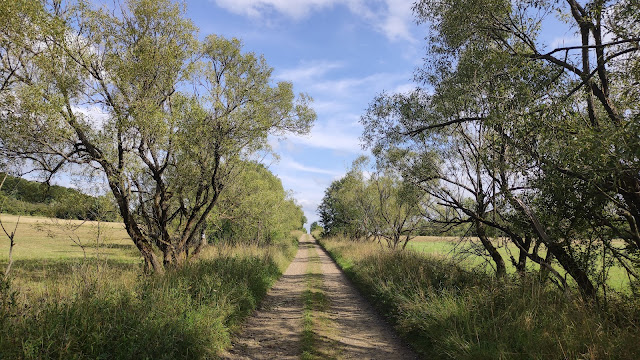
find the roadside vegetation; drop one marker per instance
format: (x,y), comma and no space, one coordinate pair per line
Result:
(75,288)
(104,309)
(170,126)
(448,311)
(527,153)
(525,150)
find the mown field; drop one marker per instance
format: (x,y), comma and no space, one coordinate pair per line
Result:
(49,239)
(449,310)
(76,290)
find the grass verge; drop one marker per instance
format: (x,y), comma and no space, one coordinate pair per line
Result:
(446,311)
(101,311)
(315,303)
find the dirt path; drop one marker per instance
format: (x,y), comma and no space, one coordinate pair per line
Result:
(274,331)
(347,329)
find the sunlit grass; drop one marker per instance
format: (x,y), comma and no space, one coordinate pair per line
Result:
(63,302)
(459,249)
(47,238)
(449,310)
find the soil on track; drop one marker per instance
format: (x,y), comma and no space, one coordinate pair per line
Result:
(348,329)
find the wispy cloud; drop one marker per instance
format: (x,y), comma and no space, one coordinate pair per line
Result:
(390,17)
(291,164)
(308,193)
(308,71)
(339,102)
(331,141)
(94,115)
(393,19)
(349,86)
(293,8)
(563,41)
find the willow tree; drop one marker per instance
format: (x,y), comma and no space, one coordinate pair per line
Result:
(241,214)
(564,119)
(132,94)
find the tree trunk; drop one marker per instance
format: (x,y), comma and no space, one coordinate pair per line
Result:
(151,261)
(631,195)
(521,266)
(568,263)
(501,269)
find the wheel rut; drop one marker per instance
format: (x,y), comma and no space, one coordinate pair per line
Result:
(348,328)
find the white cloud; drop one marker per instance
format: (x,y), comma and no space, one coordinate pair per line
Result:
(566,41)
(330,106)
(349,86)
(339,102)
(291,164)
(93,114)
(404,88)
(390,17)
(293,8)
(308,71)
(399,16)
(316,78)
(307,193)
(338,138)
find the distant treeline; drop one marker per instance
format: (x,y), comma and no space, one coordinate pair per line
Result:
(19,196)
(254,209)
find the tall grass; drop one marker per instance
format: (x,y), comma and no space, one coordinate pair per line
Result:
(112,312)
(446,311)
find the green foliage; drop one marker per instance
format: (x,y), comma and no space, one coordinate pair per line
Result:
(381,206)
(255,209)
(447,312)
(185,314)
(335,213)
(180,116)
(23,197)
(315,227)
(522,139)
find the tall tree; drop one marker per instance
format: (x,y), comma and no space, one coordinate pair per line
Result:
(562,118)
(175,116)
(241,214)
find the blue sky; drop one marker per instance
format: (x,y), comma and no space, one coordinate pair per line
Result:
(340,52)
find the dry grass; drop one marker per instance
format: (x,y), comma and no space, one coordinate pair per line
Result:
(61,304)
(435,239)
(448,311)
(55,239)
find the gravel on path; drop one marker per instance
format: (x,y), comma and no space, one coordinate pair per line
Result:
(351,329)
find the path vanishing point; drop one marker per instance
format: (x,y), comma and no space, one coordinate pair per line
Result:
(346,327)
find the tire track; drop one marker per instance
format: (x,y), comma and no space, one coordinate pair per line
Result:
(349,328)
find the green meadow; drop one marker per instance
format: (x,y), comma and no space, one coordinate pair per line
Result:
(465,254)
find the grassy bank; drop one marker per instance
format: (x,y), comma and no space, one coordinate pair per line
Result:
(450,312)
(315,304)
(102,307)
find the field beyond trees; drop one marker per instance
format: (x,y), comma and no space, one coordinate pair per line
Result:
(469,252)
